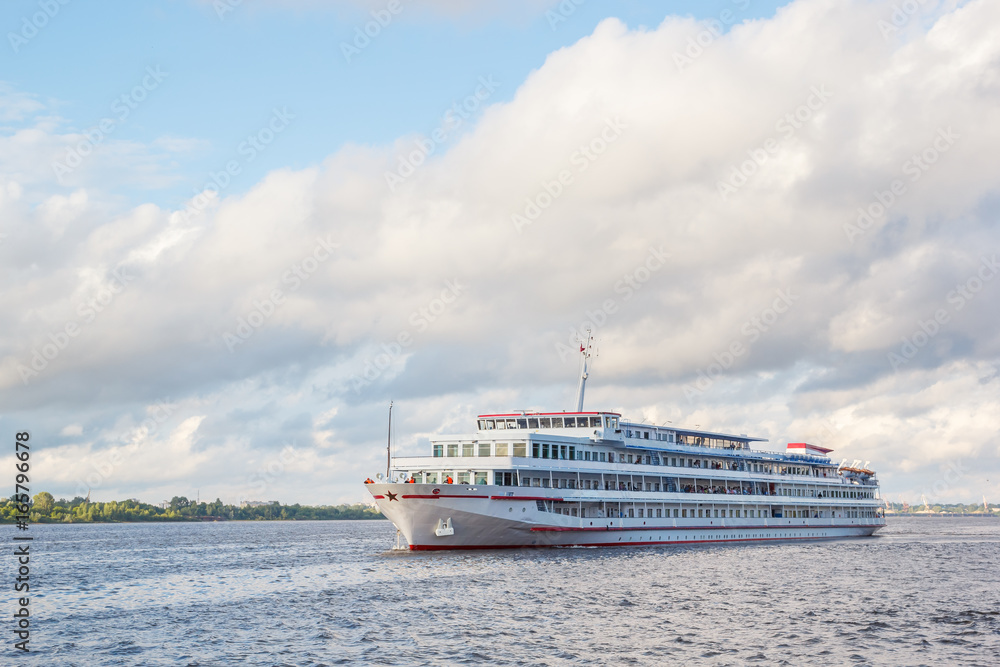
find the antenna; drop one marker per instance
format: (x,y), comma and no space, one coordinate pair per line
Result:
(586,351)
(388,445)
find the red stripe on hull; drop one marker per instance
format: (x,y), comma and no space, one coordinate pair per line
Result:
(444,495)
(558,500)
(430,547)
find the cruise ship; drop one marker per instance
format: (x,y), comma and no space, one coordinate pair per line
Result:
(548,479)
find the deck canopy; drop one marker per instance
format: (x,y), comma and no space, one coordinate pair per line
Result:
(806,448)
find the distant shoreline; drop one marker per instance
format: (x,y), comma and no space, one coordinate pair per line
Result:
(943,514)
(199,520)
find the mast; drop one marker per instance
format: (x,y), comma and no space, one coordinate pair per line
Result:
(388,445)
(586,349)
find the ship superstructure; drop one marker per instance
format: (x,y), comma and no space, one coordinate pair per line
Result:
(531,479)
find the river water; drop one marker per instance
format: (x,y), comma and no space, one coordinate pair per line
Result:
(924,591)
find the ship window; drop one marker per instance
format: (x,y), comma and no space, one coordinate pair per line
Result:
(573,453)
(545,422)
(503,449)
(562,451)
(522,423)
(480,478)
(432,478)
(675,514)
(501,424)
(545,482)
(557,422)
(520,449)
(645,434)
(595,421)
(700,514)
(453,450)
(545,450)
(716,514)
(533,422)
(484,449)
(684,514)
(468,449)
(535,451)
(659,514)
(482,424)
(438,450)
(631,513)
(463,478)
(640,514)
(603,457)
(511,423)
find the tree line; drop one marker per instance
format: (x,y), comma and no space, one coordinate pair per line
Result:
(44,508)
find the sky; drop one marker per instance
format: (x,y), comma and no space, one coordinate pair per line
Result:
(232,232)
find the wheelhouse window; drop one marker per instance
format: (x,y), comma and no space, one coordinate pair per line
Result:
(595,422)
(501,424)
(533,422)
(557,422)
(545,422)
(522,423)
(511,423)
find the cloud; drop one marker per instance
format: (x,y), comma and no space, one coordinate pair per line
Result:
(745,167)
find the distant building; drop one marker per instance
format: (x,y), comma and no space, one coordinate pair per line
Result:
(257,503)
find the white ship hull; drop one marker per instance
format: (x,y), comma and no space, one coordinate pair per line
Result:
(438,517)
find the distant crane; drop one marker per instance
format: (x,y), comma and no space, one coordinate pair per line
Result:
(927,508)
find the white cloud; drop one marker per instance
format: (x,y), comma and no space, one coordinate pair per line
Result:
(682,132)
